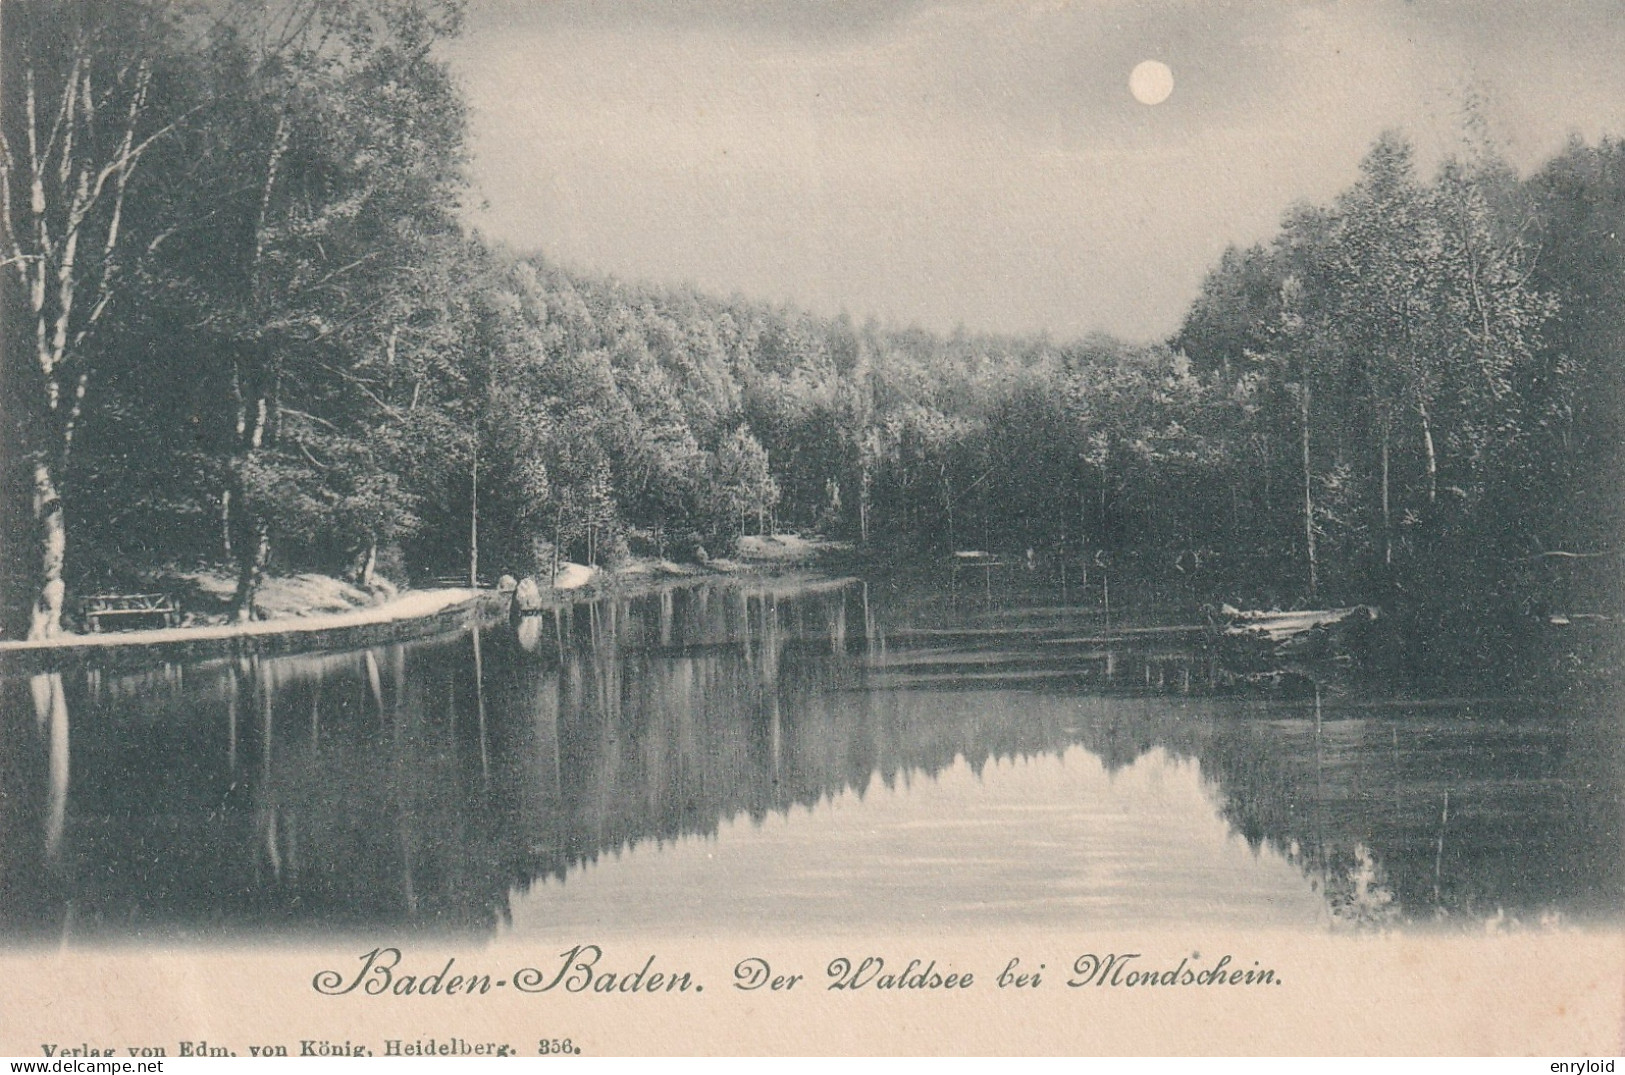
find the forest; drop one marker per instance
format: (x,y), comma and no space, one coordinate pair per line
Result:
(246,326)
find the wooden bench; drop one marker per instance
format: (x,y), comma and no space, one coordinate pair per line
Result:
(129,609)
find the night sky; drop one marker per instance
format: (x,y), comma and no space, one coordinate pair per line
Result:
(983,163)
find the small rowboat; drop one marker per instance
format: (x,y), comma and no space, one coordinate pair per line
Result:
(1252,638)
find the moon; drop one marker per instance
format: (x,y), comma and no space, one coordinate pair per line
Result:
(1151,82)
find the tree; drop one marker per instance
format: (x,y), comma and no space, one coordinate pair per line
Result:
(86,107)
(1382,287)
(1575,392)
(741,485)
(329,170)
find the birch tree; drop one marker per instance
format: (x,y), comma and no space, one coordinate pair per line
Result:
(83,115)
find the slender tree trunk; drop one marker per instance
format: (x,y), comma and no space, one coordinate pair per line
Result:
(1103,480)
(863,508)
(1308,491)
(366,564)
(1427,447)
(46,620)
(1387,510)
(251,560)
(558,537)
(1268,462)
(474,523)
(253,424)
(1083,525)
(251,573)
(225,523)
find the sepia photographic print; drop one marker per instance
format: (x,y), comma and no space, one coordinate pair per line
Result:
(580,527)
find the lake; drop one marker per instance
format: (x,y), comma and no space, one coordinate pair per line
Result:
(794,755)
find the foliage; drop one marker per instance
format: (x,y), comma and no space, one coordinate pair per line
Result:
(281,347)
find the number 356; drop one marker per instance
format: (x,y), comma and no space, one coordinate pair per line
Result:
(557,1047)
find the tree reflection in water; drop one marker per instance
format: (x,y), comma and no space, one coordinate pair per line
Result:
(425,785)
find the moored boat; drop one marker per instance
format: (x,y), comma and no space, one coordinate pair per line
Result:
(1255,639)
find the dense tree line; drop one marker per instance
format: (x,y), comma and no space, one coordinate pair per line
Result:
(1433,377)
(244,326)
(234,283)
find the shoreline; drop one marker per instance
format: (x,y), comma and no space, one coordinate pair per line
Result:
(411,615)
(647,574)
(414,614)
(773,560)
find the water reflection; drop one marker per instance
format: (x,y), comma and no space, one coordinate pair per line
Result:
(51,720)
(834,753)
(1046,840)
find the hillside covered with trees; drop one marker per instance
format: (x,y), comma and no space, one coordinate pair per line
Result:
(244,326)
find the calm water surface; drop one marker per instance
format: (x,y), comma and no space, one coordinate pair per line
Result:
(791,756)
